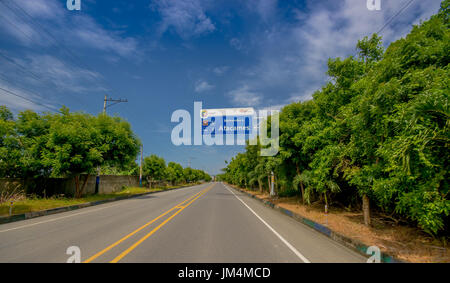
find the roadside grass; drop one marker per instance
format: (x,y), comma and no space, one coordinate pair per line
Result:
(32,204)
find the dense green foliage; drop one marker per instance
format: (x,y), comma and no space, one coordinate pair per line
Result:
(154,169)
(379,128)
(63,144)
(69,144)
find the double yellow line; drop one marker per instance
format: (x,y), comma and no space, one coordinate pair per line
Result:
(179,207)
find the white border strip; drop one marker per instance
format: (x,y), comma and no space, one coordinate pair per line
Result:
(294,250)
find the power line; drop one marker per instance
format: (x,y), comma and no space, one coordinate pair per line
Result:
(24,69)
(29,100)
(393,17)
(73,58)
(26,35)
(77,59)
(36,77)
(13,24)
(4,78)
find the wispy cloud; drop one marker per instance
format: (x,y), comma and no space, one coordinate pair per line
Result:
(187,18)
(60,74)
(46,42)
(48,77)
(221,70)
(18,99)
(265,8)
(292,55)
(81,30)
(333,31)
(202,86)
(245,97)
(94,36)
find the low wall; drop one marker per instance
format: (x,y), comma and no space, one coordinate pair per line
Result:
(108,184)
(57,186)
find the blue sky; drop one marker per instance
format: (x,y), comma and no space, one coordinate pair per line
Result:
(163,55)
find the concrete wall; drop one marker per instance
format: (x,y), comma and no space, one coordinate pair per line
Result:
(66,186)
(108,184)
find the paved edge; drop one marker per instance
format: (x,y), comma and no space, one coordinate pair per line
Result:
(35,214)
(343,240)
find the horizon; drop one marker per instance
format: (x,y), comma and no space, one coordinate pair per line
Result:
(164,55)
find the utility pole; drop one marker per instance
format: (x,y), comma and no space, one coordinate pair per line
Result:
(114,102)
(104,104)
(189,161)
(140,170)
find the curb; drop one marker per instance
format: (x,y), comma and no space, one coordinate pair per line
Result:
(353,244)
(34,214)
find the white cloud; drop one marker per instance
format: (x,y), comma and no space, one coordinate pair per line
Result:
(60,74)
(221,70)
(94,36)
(329,33)
(265,8)
(292,56)
(50,78)
(44,9)
(23,102)
(188,18)
(16,24)
(51,16)
(56,74)
(202,86)
(245,97)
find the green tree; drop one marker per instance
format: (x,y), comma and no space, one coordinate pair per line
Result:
(154,168)
(78,143)
(177,171)
(188,174)
(10,148)
(376,134)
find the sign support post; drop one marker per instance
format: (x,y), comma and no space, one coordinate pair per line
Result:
(272,184)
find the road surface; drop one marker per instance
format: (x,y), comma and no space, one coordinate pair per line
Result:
(205,223)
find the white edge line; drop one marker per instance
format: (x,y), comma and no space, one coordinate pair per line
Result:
(55,219)
(67,216)
(294,250)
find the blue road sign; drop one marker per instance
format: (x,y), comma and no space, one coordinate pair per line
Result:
(231,121)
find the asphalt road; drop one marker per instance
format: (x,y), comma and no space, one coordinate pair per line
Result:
(204,223)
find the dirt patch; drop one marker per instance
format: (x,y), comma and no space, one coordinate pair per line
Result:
(403,242)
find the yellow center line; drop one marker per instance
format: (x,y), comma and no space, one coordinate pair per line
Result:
(127,251)
(140,228)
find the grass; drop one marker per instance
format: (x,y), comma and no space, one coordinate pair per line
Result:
(36,204)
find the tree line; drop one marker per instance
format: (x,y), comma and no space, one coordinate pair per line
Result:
(375,137)
(68,144)
(154,169)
